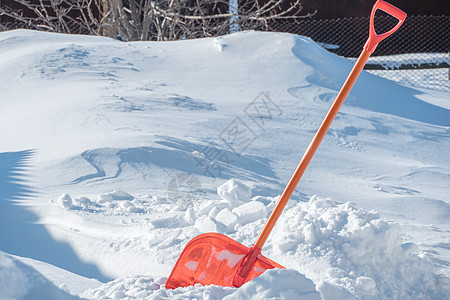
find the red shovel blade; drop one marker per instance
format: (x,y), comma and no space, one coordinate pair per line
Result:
(213,258)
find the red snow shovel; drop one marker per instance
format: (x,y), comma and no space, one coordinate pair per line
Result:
(213,258)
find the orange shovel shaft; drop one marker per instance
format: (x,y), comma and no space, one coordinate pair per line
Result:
(313,147)
(369,48)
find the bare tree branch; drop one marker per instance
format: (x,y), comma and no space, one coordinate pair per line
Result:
(149,19)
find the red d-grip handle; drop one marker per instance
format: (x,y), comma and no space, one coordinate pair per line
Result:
(375,38)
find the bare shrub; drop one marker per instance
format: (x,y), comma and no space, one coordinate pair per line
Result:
(133,20)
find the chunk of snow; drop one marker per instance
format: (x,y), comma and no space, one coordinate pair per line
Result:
(366,283)
(82,202)
(227,218)
(205,224)
(115,195)
(206,207)
(213,212)
(65,200)
(234,192)
(308,233)
(232,258)
(116,295)
(192,265)
(141,294)
(128,206)
(289,244)
(250,212)
(189,215)
(333,292)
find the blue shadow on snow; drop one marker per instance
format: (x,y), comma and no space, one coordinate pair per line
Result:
(20,232)
(370,92)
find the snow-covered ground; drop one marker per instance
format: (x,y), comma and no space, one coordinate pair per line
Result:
(114,155)
(419,78)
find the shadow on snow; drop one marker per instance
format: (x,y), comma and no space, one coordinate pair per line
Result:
(20,232)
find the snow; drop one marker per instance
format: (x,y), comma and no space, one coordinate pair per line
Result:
(231,258)
(250,212)
(278,284)
(355,249)
(234,192)
(205,224)
(113,156)
(115,195)
(19,281)
(227,218)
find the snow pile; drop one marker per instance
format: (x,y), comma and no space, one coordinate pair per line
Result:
(82,203)
(234,210)
(146,287)
(113,203)
(278,284)
(345,251)
(273,284)
(129,287)
(352,252)
(19,281)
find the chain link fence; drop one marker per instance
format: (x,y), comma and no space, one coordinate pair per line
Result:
(417,54)
(73,27)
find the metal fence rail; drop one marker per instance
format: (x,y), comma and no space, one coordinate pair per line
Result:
(73,27)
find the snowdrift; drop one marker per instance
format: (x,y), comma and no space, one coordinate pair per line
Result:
(114,155)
